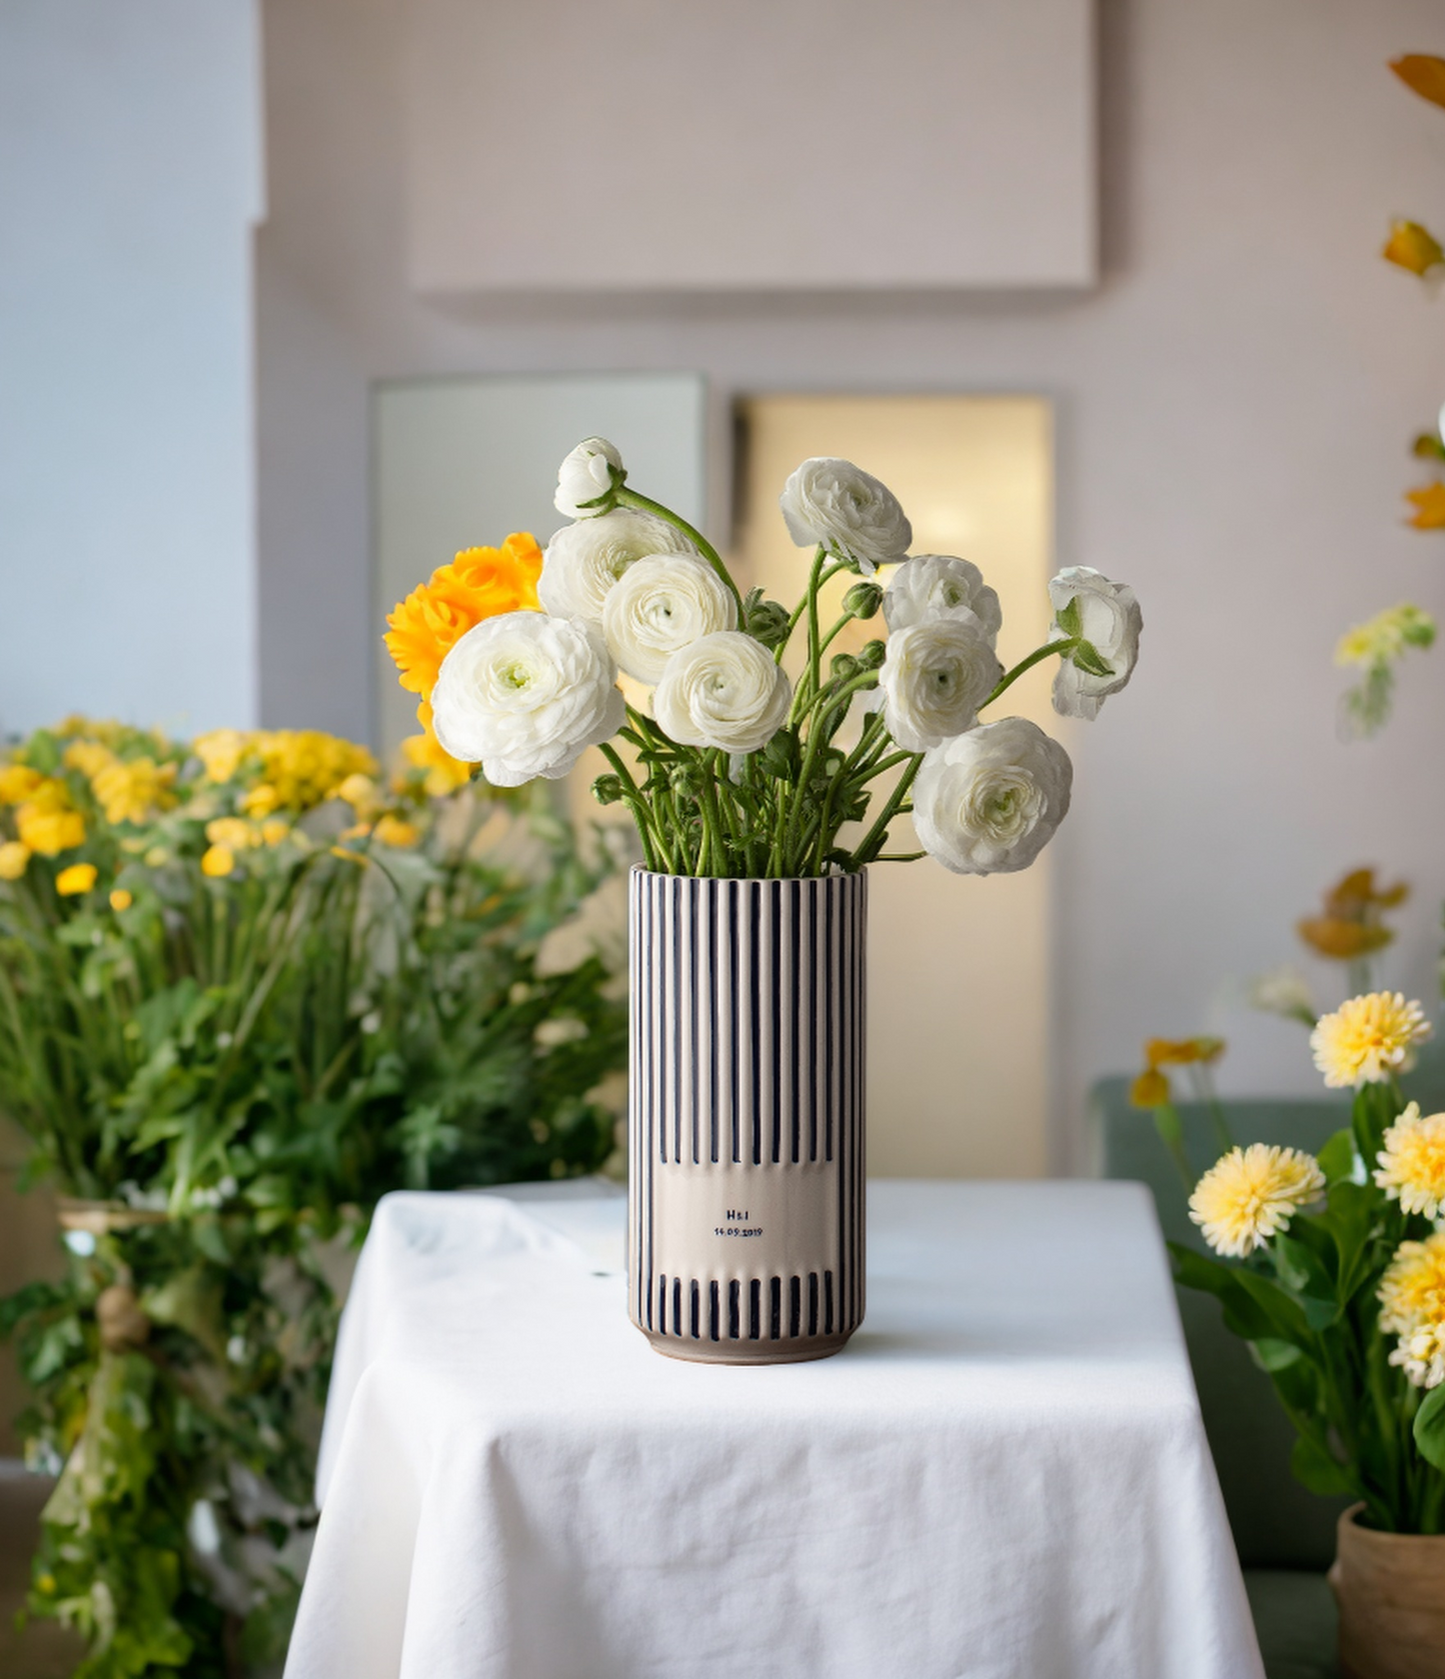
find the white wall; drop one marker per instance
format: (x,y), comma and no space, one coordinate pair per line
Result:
(130,177)
(1233,407)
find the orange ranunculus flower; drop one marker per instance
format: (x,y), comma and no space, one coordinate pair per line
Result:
(1181,1052)
(1429,504)
(1422,73)
(480,583)
(444,774)
(1150,1089)
(1340,939)
(1412,247)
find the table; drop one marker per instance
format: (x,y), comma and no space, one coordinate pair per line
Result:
(1004,1476)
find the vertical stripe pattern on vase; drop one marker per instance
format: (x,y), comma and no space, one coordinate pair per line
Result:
(746,1175)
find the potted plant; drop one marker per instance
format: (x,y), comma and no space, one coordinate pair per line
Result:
(246,987)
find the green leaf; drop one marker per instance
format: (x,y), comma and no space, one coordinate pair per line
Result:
(1089,660)
(1302,1273)
(1337,1157)
(1430,1428)
(1314,1468)
(1068,620)
(1274,1355)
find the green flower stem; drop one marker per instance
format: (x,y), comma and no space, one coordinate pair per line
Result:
(825,576)
(644,504)
(1036,657)
(641,813)
(821,710)
(874,839)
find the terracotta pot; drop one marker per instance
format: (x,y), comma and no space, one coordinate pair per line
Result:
(1391,1591)
(746,1156)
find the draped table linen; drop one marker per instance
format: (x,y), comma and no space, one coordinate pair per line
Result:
(1003,1476)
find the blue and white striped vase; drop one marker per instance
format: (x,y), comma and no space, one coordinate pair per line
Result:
(746,1181)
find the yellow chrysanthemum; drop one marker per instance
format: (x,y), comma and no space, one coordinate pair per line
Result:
(302,767)
(261,800)
(360,792)
(1412,1290)
(232,832)
(1368,1039)
(133,790)
(78,878)
(274,829)
(1412,1301)
(121,899)
(1422,1355)
(1251,1195)
(13,859)
(17,783)
(48,823)
(221,752)
(1412,1162)
(480,583)
(218,861)
(392,830)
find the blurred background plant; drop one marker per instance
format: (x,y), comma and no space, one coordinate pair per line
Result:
(1350,929)
(247,987)
(1376,647)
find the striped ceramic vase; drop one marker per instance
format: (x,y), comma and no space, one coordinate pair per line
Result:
(746,1125)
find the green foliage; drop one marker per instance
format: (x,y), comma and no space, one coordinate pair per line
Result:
(229,1069)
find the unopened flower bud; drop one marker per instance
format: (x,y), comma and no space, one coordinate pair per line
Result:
(765,620)
(872,655)
(863,600)
(607,789)
(843,666)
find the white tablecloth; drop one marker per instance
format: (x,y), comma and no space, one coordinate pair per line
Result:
(1004,1476)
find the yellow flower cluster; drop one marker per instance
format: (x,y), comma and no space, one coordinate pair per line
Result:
(1251,1195)
(1368,1039)
(294,769)
(1412,1162)
(47,822)
(1383,639)
(1412,1301)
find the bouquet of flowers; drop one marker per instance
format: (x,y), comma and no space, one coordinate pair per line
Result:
(246,987)
(739,767)
(1333,1269)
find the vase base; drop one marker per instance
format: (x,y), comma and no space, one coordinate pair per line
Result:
(747,1352)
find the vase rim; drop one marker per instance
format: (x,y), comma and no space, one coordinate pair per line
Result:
(1374,1535)
(753,879)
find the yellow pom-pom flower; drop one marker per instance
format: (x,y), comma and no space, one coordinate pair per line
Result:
(221,752)
(14,858)
(1251,1195)
(48,823)
(1412,1162)
(218,861)
(232,832)
(78,878)
(133,790)
(121,899)
(480,583)
(17,783)
(1412,1301)
(1368,1039)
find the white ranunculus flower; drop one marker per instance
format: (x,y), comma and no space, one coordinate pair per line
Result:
(584,560)
(988,802)
(524,695)
(660,605)
(935,676)
(726,691)
(939,586)
(586,476)
(837,504)
(1107,615)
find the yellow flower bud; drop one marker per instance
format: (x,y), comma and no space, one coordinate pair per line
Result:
(78,878)
(1150,1089)
(274,830)
(391,830)
(231,832)
(121,899)
(218,862)
(13,859)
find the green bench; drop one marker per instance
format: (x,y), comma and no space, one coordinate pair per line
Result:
(1285,1536)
